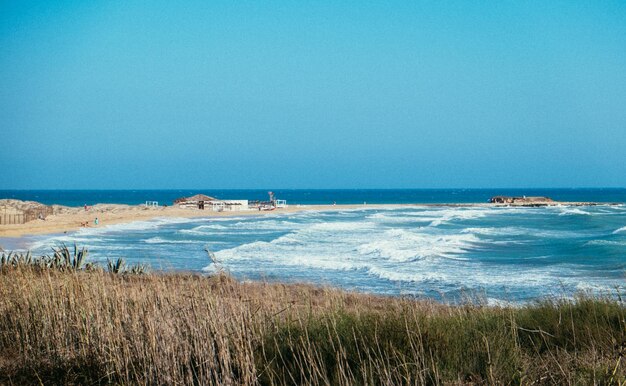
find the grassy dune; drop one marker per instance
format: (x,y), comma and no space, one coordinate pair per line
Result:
(94,327)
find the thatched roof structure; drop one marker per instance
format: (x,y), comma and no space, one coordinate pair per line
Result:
(194,199)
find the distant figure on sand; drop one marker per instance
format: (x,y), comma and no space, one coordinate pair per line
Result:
(85,207)
(96,221)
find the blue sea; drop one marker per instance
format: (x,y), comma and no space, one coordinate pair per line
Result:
(501,255)
(311,196)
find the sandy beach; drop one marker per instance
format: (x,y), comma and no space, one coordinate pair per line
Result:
(68,219)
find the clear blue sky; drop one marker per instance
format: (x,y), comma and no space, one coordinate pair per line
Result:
(230,94)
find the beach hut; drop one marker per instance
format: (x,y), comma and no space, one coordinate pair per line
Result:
(202,201)
(198,201)
(194,199)
(236,205)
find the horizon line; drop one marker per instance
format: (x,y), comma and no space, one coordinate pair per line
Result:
(282,188)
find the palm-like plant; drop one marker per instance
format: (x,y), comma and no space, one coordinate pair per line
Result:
(117,266)
(63,258)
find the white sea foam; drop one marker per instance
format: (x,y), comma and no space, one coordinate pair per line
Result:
(497,231)
(384,250)
(471,277)
(620,230)
(606,242)
(212,269)
(396,275)
(401,245)
(597,288)
(47,243)
(227,219)
(265,224)
(274,255)
(460,214)
(204,229)
(519,231)
(109,247)
(133,226)
(511,277)
(325,262)
(343,226)
(159,240)
(542,257)
(439,216)
(397,219)
(569,211)
(243,226)
(250,251)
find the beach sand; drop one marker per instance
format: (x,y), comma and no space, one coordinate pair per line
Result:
(68,219)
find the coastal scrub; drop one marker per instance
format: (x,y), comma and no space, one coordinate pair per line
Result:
(93,327)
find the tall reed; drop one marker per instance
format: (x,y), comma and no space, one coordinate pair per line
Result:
(92,327)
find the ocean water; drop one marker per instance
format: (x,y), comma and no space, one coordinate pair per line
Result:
(447,253)
(311,196)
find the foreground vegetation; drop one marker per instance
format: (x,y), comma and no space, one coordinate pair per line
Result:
(77,326)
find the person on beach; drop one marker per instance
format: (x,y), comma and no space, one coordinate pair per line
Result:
(85,207)
(96,221)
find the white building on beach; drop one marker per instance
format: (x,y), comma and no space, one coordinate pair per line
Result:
(201,201)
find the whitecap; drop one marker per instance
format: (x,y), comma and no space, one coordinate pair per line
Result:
(402,276)
(203,229)
(395,219)
(569,211)
(403,245)
(620,230)
(463,214)
(496,231)
(344,226)
(605,242)
(159,240)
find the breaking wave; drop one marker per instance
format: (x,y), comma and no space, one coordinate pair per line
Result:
(620,230)
(510,253)
(401,246)
(606,242)
(569,211)
(159,240)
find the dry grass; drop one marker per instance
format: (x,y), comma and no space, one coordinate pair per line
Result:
(77,327)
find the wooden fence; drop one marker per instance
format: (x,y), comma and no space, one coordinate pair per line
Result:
(11,218)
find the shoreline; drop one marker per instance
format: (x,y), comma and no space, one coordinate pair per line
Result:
(71,219)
